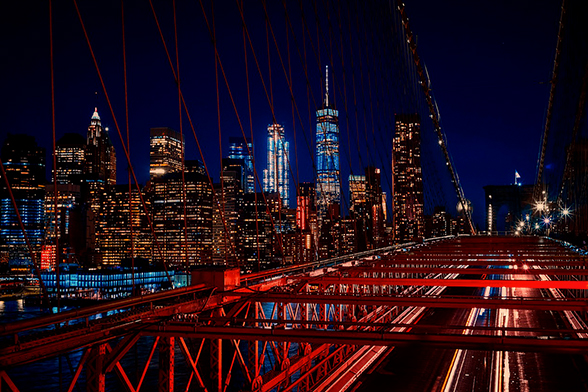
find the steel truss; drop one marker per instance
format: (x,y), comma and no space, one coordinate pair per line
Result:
(309,330)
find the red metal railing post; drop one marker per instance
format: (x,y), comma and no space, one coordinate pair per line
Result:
(166,364)
(95,376)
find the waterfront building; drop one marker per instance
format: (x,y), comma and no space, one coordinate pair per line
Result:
(408,197)
(328,187)
(106,283)
(276,176)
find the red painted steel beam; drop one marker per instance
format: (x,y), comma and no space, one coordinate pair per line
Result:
(387,326)
(368,338)
(536,284)
(469,271)
(102,307)
(429,302)
(555,257)
(479,262)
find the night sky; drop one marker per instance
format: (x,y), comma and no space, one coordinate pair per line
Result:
(490,63)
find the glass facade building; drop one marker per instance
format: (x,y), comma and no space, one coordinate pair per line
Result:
(242,149)
(24,164)
(106,284)
(275,177)
(328,186)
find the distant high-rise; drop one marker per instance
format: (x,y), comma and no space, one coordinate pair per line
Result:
(184,235)
(123,231)
(70,153)
(305,202)
(165,154)
(24,163)
(240,148)
(255,232)
(100,153)
(328,187)
(407,193)
(306,221)
(275,177)
(58,223)
(375,213)
(357,195)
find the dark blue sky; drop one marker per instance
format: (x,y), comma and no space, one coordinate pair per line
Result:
(489,62)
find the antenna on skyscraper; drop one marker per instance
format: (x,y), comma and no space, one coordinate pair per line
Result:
(327,88)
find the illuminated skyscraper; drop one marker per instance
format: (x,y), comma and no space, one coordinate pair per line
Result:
(165,154)
(24,163)
(239,148)
(407,192)
(328,187)
(255,232)
(184,234)
(59,224)
(275,177)
(306,221)
(358,209)
(123,231)
(357,195)
(100,167)
(305,202)
(225,213)
(70,152)
(100,154)
(373,191)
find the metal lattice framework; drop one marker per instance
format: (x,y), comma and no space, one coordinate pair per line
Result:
(315,327)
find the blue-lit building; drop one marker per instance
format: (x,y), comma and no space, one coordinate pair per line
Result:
(275,177)
(240,148)
(24,163)
(328,186)
(106,283)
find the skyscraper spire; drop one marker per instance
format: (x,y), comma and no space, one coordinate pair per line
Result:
(95,116)
(327,88)
(328,186)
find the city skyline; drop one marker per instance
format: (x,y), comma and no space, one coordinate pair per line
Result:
(296,179)
(145,114)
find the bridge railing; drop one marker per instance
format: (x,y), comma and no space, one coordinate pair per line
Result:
(94,310)
(307,267)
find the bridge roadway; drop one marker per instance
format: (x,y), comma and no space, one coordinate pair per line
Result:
(430,369)
(467,313)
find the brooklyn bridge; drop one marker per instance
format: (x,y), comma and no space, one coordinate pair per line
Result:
(335,249)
